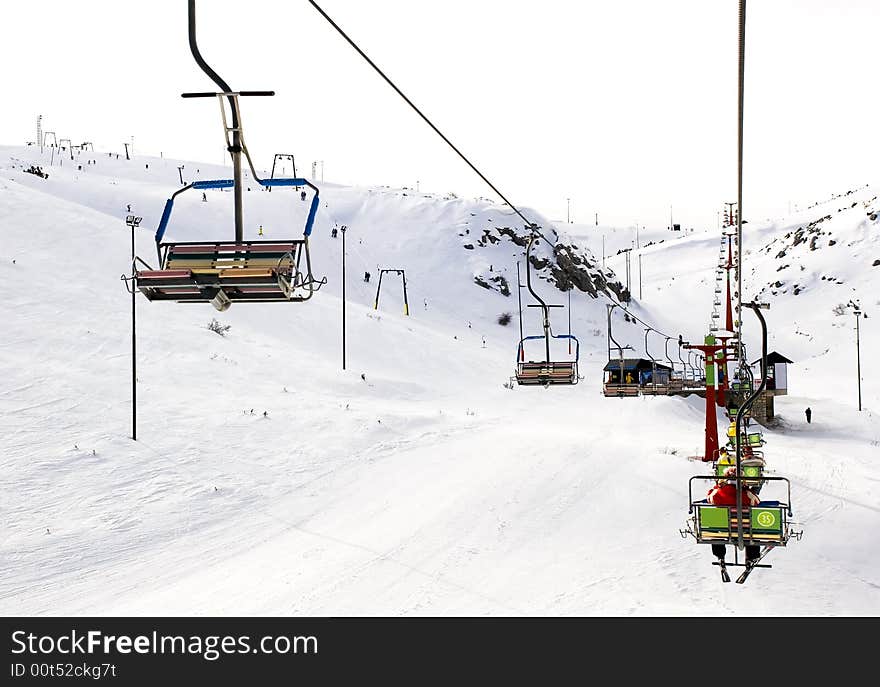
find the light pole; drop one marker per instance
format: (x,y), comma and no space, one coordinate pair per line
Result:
(133,222)
(640,275)
(344,227)
(568,210)
(858,313)
(627,251)
(519,289)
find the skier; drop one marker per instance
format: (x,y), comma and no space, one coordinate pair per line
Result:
(129,207)
(809,414)
(724,494)
(204,197)
(629,378)
(302,195)
(367,277)
(333,233)
(261,230)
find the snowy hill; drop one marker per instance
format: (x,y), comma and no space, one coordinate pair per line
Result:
(267,480)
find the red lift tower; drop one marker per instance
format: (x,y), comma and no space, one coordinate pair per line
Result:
(710,349)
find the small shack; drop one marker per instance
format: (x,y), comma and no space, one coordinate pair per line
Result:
(777,385)
(776,373)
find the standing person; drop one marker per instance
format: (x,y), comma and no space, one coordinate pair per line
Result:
(204,197)
(809,414)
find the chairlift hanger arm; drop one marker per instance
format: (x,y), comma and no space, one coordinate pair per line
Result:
(226,93)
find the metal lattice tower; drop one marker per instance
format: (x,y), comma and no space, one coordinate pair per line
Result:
(40,131)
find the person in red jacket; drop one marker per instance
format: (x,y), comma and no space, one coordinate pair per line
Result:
(724,494)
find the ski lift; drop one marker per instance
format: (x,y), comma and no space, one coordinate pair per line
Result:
(765,525)
(225,272)
(547,371)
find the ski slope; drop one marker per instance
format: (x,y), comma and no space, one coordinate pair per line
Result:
(267,480)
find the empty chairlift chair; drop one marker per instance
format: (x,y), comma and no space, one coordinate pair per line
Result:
(547,371)
(225,272)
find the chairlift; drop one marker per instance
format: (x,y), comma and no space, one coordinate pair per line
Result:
(544,372)
(224,272)
(767,524)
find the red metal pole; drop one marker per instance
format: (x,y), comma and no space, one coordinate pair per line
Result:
(710,350)
(729,321)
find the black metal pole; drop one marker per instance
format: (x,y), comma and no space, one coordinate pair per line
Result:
(544,308)
(235,148)
(133,345)
(519,287)
(569,321)
(858,360)
(743,411)
(405,299)
(378,290)
(343,296)
(640,275)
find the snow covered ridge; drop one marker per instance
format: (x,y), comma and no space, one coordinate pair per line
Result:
(564,265)
(825,248)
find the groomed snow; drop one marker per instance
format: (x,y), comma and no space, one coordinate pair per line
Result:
(426,487)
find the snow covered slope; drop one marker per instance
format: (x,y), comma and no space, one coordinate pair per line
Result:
(267,480)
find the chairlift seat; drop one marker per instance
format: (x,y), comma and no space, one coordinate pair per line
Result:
(258,271)
(623,390)
(765,524)
(530,373)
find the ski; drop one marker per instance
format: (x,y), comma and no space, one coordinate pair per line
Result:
(724,576)
(751,565)
(745,574)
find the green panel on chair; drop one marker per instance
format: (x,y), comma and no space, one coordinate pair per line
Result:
(752,471)
(766,519)
(714,517)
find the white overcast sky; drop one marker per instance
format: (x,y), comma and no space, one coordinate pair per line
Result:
(625,106)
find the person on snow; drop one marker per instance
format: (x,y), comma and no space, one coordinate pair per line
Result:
(629,378)
(809,414)
(724,494)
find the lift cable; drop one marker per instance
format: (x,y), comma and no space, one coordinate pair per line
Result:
(531,225)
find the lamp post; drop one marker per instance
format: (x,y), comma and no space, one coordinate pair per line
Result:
(640,275)
(858,314)
(133,222)
(519,288)
(344,227)
(568,210)
(627,251)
